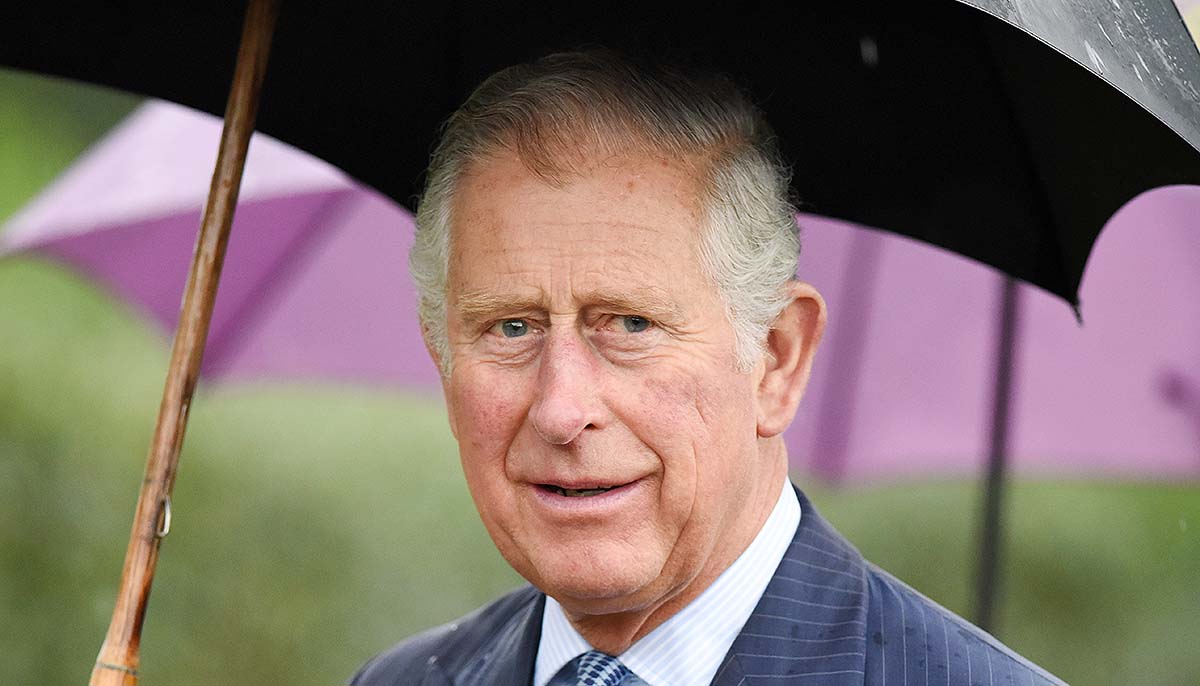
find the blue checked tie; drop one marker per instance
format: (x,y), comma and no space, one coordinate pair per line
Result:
(592,668)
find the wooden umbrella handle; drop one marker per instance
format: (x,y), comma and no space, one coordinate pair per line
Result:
(117,663)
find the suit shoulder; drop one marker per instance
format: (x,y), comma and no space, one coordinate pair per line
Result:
(428,656)
(922,639)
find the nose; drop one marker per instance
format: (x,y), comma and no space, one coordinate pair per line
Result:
(568,399)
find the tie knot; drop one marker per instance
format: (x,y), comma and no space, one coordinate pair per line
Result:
(599,669)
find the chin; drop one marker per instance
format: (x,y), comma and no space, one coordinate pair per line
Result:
(598,589)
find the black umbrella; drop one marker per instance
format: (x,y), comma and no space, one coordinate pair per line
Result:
(934,119)
(1009,134)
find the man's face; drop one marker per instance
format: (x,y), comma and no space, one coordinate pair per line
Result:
(607,438)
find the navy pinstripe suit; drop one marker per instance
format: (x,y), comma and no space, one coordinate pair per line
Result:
(828,618)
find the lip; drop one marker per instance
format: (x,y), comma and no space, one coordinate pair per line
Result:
(603,504)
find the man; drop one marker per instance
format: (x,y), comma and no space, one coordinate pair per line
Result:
(605,254)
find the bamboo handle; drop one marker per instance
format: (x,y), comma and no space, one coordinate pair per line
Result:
(117,663)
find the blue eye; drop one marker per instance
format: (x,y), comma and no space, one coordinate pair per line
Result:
(635,324)
(513,328)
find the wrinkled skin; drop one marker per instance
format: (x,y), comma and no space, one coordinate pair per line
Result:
(590,351)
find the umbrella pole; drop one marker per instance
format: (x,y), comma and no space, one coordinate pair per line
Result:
(987,580)
(117,663)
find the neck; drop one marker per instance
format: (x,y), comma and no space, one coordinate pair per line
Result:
(615,633)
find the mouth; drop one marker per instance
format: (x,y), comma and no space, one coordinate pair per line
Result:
(577,492)
(587,499)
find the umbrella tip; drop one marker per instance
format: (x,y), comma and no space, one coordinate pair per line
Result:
(1077,309)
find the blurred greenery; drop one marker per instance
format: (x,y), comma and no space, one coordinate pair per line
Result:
(315,526)
(44,124)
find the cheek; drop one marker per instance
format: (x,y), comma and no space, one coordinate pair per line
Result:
(701,426)
(486,413)
(710,424)
(707,411)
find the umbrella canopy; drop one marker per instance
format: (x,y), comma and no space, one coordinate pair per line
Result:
(1023,108)
(315,282)
(904,380)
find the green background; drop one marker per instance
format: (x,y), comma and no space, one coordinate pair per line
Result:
(316,525)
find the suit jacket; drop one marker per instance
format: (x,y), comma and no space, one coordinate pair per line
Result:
(827,618)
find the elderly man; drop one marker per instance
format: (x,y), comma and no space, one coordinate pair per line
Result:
(605,254)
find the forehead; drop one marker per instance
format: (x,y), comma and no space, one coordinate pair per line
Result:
(632,221)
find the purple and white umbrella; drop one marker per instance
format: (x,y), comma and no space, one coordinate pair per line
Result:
(903,383)
(315,283)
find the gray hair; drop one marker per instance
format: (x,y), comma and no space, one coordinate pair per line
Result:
(559,111)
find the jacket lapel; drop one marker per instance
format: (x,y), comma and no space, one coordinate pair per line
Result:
(811,619)
(510,657)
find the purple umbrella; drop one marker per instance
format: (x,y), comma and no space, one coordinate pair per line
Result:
(903,383)
(315,283)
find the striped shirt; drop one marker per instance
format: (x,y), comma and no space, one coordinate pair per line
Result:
(687,649)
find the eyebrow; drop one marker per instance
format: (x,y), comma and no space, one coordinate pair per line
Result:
(476,307)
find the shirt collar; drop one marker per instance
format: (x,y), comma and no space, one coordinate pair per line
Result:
(687,649)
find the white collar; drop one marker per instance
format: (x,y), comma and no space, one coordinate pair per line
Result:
(687,649)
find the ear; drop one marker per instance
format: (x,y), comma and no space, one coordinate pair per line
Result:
(790,348)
